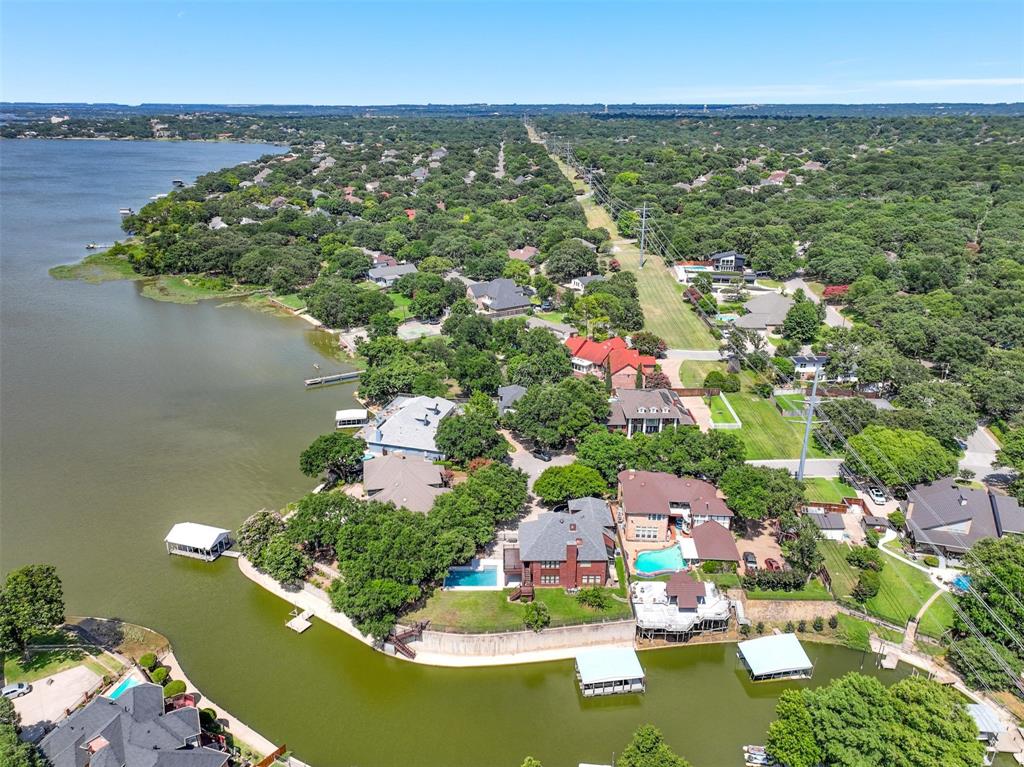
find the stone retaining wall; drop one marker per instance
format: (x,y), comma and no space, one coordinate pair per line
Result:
(513,642)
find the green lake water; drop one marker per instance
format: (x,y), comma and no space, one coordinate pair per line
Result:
(120,416)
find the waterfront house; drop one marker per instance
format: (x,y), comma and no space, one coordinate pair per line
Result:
(386,276)
(678,607)
(647,411)
(609,671)
(945,517)
(579,284)
(612,358)
(570,548)
(132,731)
(408,426)
(508,396)
(654,505)
(766,312)
(189,539)
(409,482)
(499,298)
(350,418)
(990,727)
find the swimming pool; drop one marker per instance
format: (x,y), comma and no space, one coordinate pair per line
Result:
(663,561)
(727,317)
(962,582)
(124,687)
(482,576)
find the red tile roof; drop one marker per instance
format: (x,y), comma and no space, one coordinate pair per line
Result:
(629,358)
(715,542)
(592,351)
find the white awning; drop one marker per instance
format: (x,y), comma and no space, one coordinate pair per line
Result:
(355,414)
(772,655)
(608,664)
(195,535)
(689,548)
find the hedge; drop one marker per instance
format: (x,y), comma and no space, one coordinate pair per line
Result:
(159,676)
(147,661)
(175,687)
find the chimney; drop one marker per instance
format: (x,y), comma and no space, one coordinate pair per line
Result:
(572,527)
(436,409)
(424,420)
(963,501)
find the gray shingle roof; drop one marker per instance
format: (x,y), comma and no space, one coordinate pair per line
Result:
(946,514)
(767,309)
(383,272)
(830,520)
(137,733)
(544,539)
(655,402)
(501,294)
(410,482)
(508,396)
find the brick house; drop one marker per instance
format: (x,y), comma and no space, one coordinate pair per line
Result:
(568,549)
(655,506)
(611,358)
(647,411)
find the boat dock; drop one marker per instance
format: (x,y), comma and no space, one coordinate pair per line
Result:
(300,622)
(332,379)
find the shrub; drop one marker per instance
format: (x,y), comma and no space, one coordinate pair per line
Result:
(931,560)
(759,628)
(731,383)
(818,624)
(898,520)
(594,597)
(775,580)
(177,687)
(208,720)
(801,626)
(867,585)
(865,558)
(833,622)
(714,380)
(536,616)
(159,676)
(790,628)
(147,661)
(711,567)
(745,630)
(872,538)
(763,390)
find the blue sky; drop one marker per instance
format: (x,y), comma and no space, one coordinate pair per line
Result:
(500,52)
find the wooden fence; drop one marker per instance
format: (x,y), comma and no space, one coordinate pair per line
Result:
(698,391)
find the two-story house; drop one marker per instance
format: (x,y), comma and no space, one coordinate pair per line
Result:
(579,284)
(611,358)
(499,298)
(408,426)
(655,506)
(569,549)
(647,411)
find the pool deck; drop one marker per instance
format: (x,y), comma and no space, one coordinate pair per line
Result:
(481,564)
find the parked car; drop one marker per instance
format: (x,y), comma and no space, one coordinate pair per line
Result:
(876,495)
(16,690)
(771,564)
(546,305)
(749,561)
(541,454)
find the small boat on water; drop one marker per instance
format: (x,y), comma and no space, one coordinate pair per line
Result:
(178,183)
(92,246)
(754,750)
(158,196)
(126,212)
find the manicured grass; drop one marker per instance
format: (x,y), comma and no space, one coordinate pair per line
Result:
(43,664)
(483,611)
(794,402)
(722,580)
(550,316)
(903,591)
(401,304)
(855,633)
(816,288)
(937,618)
(774,284)
(843,575)
(292,300)
(693,372)
(719,412)
(814,590)
(96,268)
(827,490)
(620,573)
(765,432)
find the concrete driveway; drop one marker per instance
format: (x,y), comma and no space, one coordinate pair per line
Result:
(693,354)
(51,696)
(533,466)
(815,467)
(980,457)
(832,316)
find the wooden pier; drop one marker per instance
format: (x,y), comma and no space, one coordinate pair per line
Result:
(333,379)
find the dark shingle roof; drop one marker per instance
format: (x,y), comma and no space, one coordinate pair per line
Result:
(656,403)
(946,514)
(502,292)
(830,520)
(544,539)
(508,396)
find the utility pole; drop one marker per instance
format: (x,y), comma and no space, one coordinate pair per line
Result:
(643,233)
(807,426)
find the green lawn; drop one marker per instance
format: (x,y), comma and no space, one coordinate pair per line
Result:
(937,618)
(766,283)
(765,432)
(843,575)
(904,590)
(791,401)
(814,590)
(855,632)
(693,372)
(401,304)
(719,412)
(550,316)
(47,662)
(481,611)
(722,580)
(827,490)
(292,301)
(620,573)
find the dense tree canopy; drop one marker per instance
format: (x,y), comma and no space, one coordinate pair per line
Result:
(899,457)
(557,484)
(31,603)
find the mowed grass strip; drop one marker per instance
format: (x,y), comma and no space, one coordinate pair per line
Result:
(938,618)
(843,575)
(827,490)
(903,592)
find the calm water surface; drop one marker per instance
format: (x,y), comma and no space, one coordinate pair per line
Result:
(120,416)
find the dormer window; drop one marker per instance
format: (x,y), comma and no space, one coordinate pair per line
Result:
(664,410)
(641,410)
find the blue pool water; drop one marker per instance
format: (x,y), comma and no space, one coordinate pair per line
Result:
(962,582)
(727,317)
(665,560)
(485,576)
(122,688)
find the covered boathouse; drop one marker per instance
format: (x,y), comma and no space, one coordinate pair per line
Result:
(190,539)
(779,656)
(608,671)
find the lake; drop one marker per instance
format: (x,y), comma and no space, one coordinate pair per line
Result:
(120,416)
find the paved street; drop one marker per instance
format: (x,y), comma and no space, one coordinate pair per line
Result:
(533,466)
(50,696)
(815,467)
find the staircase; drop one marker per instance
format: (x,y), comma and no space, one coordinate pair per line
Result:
(401,638)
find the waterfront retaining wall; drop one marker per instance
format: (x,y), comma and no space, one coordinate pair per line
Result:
(780,610)
(515,642)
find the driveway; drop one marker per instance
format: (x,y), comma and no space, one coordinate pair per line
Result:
(699,410)
(51,696)
(980,457)
(832,316)
(693,354)
(815,467)
(533,466)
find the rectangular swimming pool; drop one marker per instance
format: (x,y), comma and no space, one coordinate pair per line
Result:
(483,576)
(124,687)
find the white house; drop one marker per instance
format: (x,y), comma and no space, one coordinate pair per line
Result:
(579,284)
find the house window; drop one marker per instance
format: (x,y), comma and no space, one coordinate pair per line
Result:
(656,517)
(549,564)
(641,410)
(549,580)
(591,580)
(647,533)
